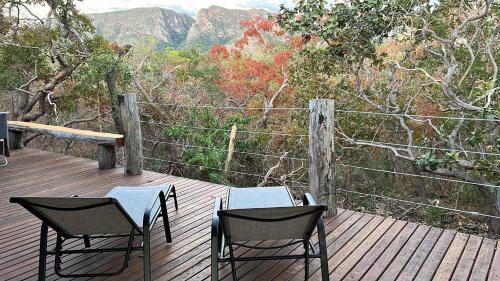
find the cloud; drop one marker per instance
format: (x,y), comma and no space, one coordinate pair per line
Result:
(269,5)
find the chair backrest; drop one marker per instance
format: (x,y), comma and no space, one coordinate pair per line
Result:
(73,216)
(4,130)
(258,224)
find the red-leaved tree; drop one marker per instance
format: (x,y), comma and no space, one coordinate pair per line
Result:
(254,72)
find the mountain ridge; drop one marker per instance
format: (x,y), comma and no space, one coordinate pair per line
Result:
(160,28)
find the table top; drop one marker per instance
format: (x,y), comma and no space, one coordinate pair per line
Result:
(259,197)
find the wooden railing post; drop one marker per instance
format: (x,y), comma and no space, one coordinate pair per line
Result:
(322,154)
(133,162)
(230,150)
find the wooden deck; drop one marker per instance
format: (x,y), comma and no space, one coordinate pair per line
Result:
(360,246)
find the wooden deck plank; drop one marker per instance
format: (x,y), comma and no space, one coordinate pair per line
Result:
(369,259)
(360,246)
(415,263)
(335,246)
(430,266)
(450,260)
(494,273)
(351,245)
(339,272)
(483,261)
(392,272)
(466,262)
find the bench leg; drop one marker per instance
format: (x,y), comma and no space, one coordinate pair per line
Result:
(107,156)
(16,139)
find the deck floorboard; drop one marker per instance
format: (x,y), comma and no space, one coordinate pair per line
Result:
(360,246)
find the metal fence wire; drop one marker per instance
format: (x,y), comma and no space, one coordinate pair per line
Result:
(165,125)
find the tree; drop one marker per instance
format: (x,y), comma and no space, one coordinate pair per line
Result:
(38,55)
(408,60)
(206,139)
(255,70)
(105,71)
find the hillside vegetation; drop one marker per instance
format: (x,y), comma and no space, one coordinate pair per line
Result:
(415,85)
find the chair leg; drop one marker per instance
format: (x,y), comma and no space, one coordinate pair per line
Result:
(216,241)
(58,249)
(86,241)
(233,264)
(164,214)
(306,260)
(147,254)
(325,273)
(42,262)
(214,266)
(174,194)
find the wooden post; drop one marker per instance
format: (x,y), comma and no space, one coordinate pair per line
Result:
(133,162)
(230,149)
(107,156)
(322,154)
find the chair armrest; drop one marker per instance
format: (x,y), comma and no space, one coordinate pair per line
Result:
(308,200)
(147,212)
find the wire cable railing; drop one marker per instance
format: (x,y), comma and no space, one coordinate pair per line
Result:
(416,115)
(221,170)
(415,175)
(415,146)
(226,150)
(336,111)
(338,189)
(418,203)
(340,164)
(225,130)
(289,180)
(226,107)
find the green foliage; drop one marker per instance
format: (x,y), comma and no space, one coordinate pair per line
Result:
(40,57)
(433,215)
(430,161)
(90,80)
(27,53)
(351,29)
(207,147)
(187,69)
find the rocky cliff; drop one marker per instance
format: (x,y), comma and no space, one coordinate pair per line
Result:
(217,25)
(162,28)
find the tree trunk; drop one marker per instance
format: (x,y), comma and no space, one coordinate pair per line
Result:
(113,96)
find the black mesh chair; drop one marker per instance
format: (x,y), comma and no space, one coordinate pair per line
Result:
(127,212)
(235,227)
(4,138)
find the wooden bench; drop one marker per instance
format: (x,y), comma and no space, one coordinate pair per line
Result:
(106,142)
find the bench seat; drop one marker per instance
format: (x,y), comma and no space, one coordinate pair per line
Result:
(106,141)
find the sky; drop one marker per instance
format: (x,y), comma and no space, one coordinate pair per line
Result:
(189,7)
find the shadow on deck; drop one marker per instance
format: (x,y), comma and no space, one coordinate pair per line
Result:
(360,246)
